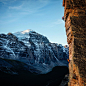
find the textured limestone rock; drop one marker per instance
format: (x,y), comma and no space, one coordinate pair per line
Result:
(75,23)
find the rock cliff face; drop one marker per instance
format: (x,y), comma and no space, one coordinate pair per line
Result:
(33,50)
(75,23)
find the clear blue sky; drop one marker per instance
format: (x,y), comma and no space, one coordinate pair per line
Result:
(42,16)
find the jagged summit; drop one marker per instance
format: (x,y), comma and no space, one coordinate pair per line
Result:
(28,36)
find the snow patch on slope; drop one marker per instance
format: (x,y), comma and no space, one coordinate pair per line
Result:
(24,36)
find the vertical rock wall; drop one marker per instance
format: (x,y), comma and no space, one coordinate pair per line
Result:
(75,23)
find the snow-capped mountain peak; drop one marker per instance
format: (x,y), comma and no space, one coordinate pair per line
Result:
(33,49)
(26,31)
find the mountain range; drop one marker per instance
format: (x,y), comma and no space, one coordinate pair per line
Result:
(30,51)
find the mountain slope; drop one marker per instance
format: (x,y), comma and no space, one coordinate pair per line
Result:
(26,78)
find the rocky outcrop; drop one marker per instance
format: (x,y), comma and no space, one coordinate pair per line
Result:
(75,23)
(65,80)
